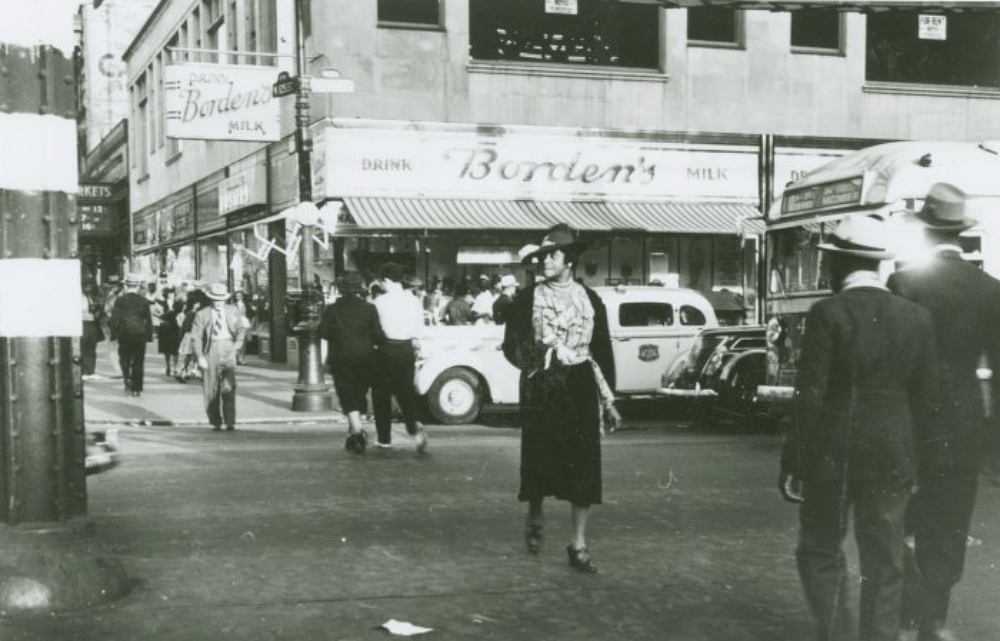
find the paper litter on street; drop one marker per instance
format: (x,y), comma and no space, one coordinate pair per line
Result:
(404,628)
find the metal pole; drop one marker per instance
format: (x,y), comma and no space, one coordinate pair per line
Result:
(312,394)
(48,562)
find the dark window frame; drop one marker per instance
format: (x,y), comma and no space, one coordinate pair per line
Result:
(413,25)
(739,30)
(839,50)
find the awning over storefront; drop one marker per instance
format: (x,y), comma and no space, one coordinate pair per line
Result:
(659,217)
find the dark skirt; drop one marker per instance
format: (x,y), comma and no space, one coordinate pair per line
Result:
(352,380)
(168,336)
(561,435)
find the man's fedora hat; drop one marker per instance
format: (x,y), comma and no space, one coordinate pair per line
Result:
(351,283)
(944,209)
(217,291)
(508,280)
(134,280)
(860,236)
(560,236)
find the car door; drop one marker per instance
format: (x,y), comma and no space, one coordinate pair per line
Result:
(644,341)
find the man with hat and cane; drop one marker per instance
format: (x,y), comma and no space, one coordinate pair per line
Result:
(352,331)
(217,334)
(864,387)
(132,326)
(964,303)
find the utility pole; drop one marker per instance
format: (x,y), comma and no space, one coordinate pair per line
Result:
(51,561)
(312,394)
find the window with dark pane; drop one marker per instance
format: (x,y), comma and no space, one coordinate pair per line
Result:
(970,56)
(816,29)
(602,33)
(713,24)
(422,12)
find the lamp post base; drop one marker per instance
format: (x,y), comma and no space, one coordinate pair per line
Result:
(312,399)
(61,568)
(312,394)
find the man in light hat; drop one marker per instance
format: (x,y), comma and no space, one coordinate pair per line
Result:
(217,334)
(132,326)
(865,385)
(501,306)
(964,303)
(482,306)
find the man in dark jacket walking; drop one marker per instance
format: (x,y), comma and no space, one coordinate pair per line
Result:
(132,327)
(352,331)
(964,303)
(866,377)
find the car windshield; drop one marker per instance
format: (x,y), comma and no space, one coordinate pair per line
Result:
(796,265)
(702,350)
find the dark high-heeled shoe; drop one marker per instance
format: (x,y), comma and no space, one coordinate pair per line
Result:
(533,537)
(579,559)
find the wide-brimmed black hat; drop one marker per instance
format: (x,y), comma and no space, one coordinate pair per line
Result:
(560,236)
(944,209)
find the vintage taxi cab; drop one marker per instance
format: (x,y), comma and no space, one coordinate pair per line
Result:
(462,368)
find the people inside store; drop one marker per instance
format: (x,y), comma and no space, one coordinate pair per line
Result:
(459,309)
(482,306)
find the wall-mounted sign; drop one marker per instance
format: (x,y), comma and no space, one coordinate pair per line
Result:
(525,163)
(932,27)
(245,189)
(221,102)
(95,191)
(565,7)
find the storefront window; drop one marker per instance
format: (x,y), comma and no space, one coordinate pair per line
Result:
(250,276)
(214,257)
(615,34)
(178,264)
(969,56)
(696,263)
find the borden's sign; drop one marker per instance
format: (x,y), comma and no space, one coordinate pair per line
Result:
(221,102)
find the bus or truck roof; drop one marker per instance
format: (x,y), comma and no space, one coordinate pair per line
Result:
(892,172)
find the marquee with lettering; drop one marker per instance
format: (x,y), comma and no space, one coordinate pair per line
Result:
(452,161)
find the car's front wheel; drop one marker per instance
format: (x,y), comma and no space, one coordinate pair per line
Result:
(456,397)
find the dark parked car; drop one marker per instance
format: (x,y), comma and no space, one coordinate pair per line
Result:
(719,375)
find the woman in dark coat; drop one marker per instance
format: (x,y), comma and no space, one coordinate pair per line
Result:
(352,329)
(557,335)
(168,334)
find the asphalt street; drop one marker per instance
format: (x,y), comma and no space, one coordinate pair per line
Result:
(275,532)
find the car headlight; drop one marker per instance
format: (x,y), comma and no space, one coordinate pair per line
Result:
(775,332)
(715,362)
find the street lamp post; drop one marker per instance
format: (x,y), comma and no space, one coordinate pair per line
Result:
(312,394)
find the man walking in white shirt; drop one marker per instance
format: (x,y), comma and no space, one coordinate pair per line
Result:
(401,317)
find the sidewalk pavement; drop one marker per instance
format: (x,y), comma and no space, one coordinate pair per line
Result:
(263,395)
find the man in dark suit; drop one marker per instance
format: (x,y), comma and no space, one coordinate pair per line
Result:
(866,377)
(964,303)
(132,326)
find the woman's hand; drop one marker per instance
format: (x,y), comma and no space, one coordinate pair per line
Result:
(612,420)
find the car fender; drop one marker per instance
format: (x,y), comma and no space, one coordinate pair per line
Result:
(500,376)
(743,357)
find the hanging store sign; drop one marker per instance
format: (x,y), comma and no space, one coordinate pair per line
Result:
(221,102)
(97,209)
(525,163)
(932,27)
(245,189)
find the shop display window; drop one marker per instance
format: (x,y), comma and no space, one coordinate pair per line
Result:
(584,32)
(214,258)
(969,55)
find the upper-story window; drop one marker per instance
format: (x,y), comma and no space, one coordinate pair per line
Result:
(586,32)
(140,157)
(715,27)
(965,52)
(409,13)
(816,31)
